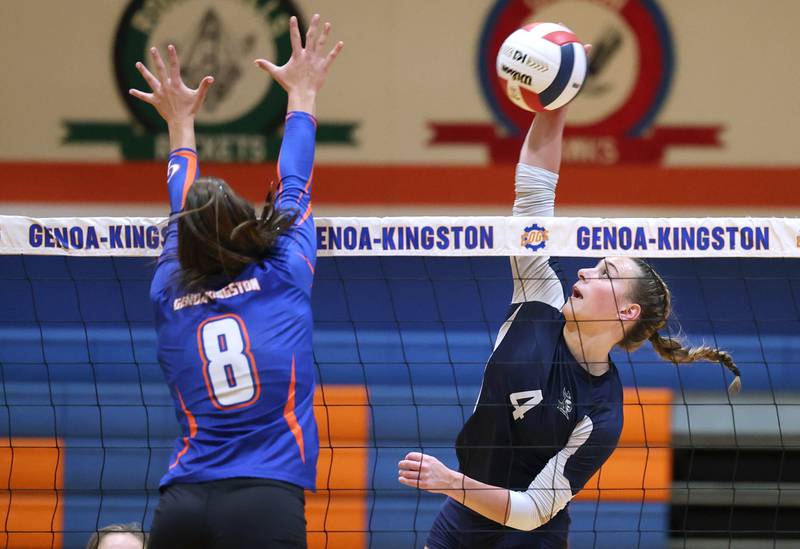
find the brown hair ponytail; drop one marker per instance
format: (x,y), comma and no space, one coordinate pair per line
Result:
(653,296)
(219,234)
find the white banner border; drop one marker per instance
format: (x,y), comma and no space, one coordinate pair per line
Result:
(439,236)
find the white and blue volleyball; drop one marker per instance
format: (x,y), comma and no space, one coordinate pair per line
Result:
(542,66)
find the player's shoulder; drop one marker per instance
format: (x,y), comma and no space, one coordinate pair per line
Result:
(289,261)
(531,310)
(274,269)
(530,333)
(539,318)
(607,420)
(164,279)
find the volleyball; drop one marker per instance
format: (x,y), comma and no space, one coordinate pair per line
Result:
(542,66)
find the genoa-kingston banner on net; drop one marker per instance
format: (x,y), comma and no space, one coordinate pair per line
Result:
(440,236)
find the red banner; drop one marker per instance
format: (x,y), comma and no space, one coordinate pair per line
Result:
(581,146)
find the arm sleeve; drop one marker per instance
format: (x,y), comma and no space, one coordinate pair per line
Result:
(295,177)
(534,277)
(182,170)
(563,476)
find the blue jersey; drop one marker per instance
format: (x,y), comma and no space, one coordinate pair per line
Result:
(238,359)
(534,398)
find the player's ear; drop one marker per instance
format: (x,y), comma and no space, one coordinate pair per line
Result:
(631,311)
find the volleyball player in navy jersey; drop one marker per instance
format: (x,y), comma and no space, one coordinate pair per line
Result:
(549,412)
(233,317)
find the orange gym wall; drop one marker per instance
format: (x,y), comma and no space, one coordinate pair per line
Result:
(618,186)
(336,515)
(31,479)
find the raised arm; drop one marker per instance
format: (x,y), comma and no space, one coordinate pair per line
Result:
(302,77)
(178,105)
(535,186)
(542,146)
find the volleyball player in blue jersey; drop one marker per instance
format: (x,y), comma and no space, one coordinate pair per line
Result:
(231,293)
(549,412)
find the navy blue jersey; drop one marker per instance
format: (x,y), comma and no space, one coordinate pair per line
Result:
(535,397)
(238,359)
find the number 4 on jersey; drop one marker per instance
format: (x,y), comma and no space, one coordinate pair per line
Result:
(531,400)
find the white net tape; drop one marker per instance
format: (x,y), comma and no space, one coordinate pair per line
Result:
(441,236)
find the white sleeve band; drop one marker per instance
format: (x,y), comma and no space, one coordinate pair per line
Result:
(534,279)
(550,491)
(535,191)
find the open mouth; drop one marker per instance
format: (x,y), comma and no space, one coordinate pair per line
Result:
(576,293)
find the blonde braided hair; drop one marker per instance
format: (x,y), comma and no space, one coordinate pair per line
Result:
(655,300)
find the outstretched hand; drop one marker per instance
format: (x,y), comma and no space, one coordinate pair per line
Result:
(561,112)
(307,69)
(172,98)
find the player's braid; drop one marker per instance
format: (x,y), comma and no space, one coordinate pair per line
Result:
(674,351)
(653,296)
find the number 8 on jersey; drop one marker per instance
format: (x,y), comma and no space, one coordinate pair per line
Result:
(228,365)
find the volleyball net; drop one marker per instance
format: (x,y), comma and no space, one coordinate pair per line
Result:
(406,311)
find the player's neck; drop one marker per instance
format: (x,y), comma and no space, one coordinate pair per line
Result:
(589,349)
